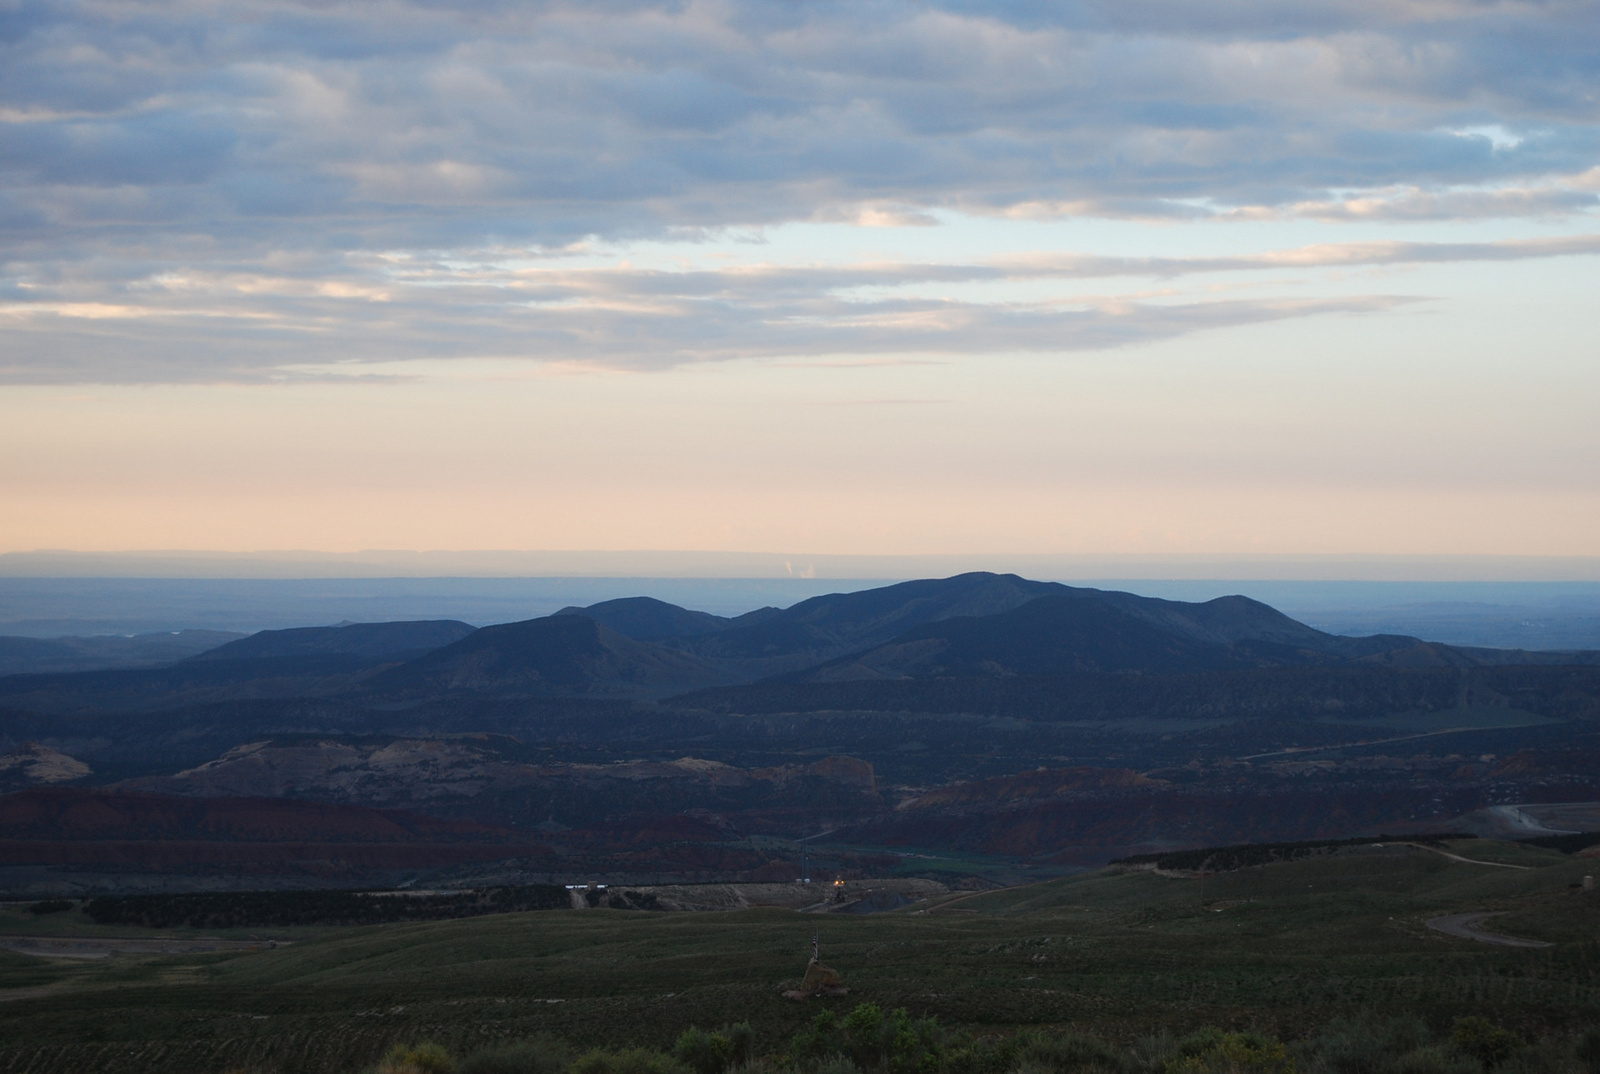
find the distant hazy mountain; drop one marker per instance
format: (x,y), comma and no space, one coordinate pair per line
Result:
(972,626)
(648,619)
(1090,630)
(563,654)
(42,656)
(828,626)
(377,642)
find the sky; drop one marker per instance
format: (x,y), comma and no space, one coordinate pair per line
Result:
(873,278)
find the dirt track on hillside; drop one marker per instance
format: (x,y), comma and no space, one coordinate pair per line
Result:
(1466,927)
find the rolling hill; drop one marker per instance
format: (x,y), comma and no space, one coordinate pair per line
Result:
(560,654)
(374,642)
(1079,630)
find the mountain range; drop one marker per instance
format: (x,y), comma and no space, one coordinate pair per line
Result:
(972,626)
(984,713)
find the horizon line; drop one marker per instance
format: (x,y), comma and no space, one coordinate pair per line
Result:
(287,564)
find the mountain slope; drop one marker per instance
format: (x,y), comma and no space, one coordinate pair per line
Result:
(1090,630)
(649,619)
(1054,635)
(376,642)
(560,654)
(828,626)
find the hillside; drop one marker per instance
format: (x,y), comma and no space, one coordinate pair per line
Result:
(564,654)
(41,656)
(648,619)
(1331,952)
(1156,723)
(80,840)
(1090,630)
(828,626)
(62,814)
(372,642)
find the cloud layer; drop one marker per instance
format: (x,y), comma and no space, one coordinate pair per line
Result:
(266,182)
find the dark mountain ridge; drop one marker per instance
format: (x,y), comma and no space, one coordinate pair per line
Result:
(1090,630)
(373,642)
(1157,722)
(972,625)
(649,619)
(560,654)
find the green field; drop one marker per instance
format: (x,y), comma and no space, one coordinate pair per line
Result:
(1284,949)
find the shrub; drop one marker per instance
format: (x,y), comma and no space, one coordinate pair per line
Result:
(1069,1053)
(1486,1042)
(991,1055)
(1544,1057)
(837,1064)
(1365,1045)
(869,1039)
(1212,1051)
(1587,1049)
(706,1053)
(631,1061)
(1433,1060)
(424,1058)
(50,906)
(523,1057)
(714,1053)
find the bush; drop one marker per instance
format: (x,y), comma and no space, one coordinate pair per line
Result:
(631,1061)
(1069,1053)
(1486,1042)
(424,1058)
(1212,1051)
(714,1053)
(837,1064)
(872,1040)
(1433,1060)
(523,1057)
(1544,1057)
(1365,1045)
(50,906)
(994,1055)
(1587,1049)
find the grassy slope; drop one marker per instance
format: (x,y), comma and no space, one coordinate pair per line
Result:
(1281,947)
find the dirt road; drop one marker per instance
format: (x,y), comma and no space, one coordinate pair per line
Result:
(1466,927)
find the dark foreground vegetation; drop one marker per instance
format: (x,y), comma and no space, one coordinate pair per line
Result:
(1321,965)
(253,909)
(1223,859)
(1568,844)
(868,1040)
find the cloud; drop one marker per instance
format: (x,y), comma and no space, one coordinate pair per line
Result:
(281,141)
(313,316)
